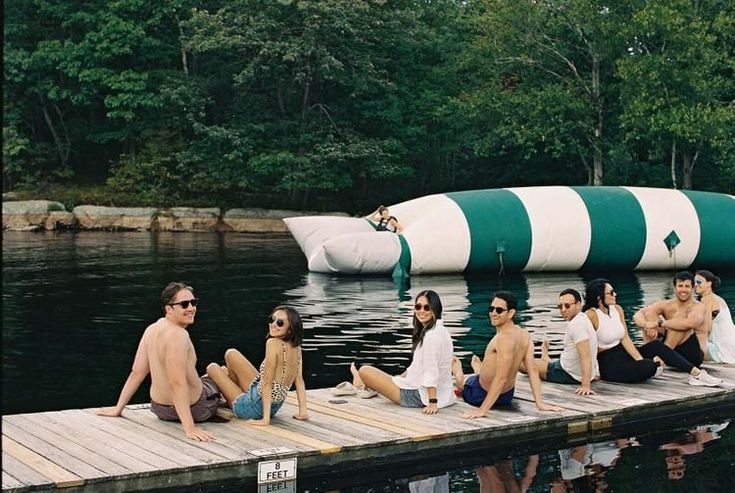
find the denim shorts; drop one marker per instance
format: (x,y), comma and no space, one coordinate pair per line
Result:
(249,405)
(410,398)
(555,373)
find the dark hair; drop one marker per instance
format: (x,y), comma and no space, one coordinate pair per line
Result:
(710,277)
(509,298)
(594,293)
(295,328)
(170,292)
(382,208)
(419,329)
(683,275)
(573,292)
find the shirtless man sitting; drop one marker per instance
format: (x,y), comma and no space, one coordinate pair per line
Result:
(677,322)
(166,352)
(495,378)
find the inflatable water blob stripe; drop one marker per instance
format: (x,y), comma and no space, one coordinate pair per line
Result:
(530,229)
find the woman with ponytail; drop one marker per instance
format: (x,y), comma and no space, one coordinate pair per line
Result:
(427,382)
(720,344)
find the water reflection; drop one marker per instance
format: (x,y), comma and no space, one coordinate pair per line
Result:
(502,478)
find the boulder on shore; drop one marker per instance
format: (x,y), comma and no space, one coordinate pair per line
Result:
(188,219)
(29,215)
(256,220)
(115,218)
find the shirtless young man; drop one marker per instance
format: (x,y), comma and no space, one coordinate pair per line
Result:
(678,321)
(166,352)
(495,380)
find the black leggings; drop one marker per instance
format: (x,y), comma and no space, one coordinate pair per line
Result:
(616,365)
(671,357)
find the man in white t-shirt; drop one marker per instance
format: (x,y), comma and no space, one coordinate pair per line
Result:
(578,361)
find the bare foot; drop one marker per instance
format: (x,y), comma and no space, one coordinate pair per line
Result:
(226,370)
(356,380)
(457,372)
(545,349)
(476,363)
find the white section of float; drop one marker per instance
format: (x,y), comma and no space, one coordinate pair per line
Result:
(666,211)
(436,232)
(561,231)
(311,232)
(373,252)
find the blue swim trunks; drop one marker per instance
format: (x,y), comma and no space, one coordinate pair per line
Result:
(249,405)
(474,394)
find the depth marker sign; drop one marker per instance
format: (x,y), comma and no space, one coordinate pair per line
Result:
(271,471)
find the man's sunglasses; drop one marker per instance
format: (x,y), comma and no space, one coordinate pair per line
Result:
(497,309)
(278,321)
(185,304)
(566,306)
(419,306)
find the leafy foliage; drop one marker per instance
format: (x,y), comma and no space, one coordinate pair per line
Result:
(332,103)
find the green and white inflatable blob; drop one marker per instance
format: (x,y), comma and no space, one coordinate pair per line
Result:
(530,229)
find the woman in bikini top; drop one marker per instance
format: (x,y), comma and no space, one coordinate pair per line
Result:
(257,395)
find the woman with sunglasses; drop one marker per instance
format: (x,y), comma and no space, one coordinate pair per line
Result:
(257,395)
(618,358)
(720,328)
(427,382)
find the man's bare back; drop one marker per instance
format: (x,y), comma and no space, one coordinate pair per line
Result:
(165,352)
(159,340)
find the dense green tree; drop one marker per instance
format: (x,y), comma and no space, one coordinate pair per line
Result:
(344,103)
(679,81)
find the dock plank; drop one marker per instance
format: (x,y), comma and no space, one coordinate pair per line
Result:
(57,474)
(98,443)
(57,455)
(23,473)
(315,443)
(370,432)
(35,425)
(10,482)
(139,451)
(221,446)
(138,437)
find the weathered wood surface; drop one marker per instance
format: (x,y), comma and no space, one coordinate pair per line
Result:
(80,451)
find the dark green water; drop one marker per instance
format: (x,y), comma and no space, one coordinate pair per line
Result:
(75,305)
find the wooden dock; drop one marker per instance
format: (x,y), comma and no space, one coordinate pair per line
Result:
(79,451)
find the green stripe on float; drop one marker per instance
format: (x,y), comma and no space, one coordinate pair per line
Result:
(498,221)
(618,228)
(403,266)
(716,214)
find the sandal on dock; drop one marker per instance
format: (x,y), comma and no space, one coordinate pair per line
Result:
(366,393)
(344,388)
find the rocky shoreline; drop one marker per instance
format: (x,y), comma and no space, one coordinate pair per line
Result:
(46,215)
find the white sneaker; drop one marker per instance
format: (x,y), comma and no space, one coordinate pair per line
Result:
(704,379)
(659,370)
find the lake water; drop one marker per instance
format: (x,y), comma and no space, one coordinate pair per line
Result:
(75,305)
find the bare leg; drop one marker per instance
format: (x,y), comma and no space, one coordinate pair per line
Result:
(457,372)
(380,382)
(542,365)
(356,380)
(235,378)
(476,363)
(545,350)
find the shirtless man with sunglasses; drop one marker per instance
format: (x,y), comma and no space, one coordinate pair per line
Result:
(167,353)
(495,378)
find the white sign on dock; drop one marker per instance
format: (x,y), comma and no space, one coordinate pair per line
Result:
(271,471)
(261,452)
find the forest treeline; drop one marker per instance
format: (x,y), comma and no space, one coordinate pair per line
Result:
(349,103)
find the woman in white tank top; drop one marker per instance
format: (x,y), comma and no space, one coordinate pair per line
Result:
(618,358)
